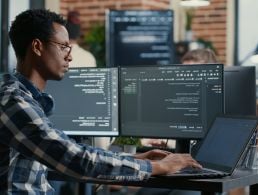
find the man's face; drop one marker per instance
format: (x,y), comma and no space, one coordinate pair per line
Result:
(57,54)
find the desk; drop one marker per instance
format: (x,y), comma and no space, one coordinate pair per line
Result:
(240,178)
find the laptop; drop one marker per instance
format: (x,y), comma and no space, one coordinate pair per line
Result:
(222,148)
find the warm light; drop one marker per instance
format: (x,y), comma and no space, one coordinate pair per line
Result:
(254,59)
(252,56)
(194,3)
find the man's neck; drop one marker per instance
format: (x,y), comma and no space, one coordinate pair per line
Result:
(27,68)
(34,77)
(38,81)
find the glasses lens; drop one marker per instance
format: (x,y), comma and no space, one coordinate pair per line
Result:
(63,47)
(69,49)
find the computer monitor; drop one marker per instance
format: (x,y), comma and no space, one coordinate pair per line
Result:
(240,90)
(142,37)
(178,101)
(86,102)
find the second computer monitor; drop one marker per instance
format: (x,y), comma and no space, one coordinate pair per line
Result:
(178,101)
(240,90)
(139,37)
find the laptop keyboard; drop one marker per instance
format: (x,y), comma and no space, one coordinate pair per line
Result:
(190,170)
(200,173)
(195,174)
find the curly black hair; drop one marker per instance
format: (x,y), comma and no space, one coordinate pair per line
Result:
(30,25)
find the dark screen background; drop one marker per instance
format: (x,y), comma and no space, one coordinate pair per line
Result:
(86,101)
(177,101)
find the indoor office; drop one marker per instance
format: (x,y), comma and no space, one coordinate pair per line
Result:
(172,75)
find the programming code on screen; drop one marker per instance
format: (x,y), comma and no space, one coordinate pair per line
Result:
(139,37)
(170,101)
(86,101)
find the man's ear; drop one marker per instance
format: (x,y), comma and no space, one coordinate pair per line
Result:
(37,47)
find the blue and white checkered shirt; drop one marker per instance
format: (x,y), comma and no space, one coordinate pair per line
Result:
(29,144)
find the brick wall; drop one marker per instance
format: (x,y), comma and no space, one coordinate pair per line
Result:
(93,11)
(209,23)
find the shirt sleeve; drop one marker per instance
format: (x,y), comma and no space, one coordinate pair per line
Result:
(25,128)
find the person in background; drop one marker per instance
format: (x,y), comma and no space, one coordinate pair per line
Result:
(199,56)
(81,57)
(30,143)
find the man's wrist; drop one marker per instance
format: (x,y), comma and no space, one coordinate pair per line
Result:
(157,168)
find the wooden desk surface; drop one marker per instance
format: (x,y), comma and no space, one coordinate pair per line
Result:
(240,178)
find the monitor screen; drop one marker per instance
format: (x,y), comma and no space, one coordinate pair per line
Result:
(136,37)
(86,102)
(240,90)
(178,101)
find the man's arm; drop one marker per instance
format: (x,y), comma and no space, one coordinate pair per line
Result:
(26,129)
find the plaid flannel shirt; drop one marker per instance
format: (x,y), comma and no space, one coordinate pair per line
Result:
(29,144)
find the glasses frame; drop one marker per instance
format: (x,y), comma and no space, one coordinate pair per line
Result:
(65,47)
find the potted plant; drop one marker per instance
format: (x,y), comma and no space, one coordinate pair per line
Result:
(94,41)
(129,144)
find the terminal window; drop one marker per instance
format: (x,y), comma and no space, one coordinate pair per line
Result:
(178,101)
(139,37)
(86,102)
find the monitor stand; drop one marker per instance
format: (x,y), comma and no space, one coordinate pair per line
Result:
(182,146)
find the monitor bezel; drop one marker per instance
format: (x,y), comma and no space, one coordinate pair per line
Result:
(168,137)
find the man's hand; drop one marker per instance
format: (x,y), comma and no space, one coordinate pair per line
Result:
(152,155)
(173,163)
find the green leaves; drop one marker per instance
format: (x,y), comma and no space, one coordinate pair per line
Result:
(127,141)
(94,41)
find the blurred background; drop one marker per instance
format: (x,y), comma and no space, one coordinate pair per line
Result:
(226,26)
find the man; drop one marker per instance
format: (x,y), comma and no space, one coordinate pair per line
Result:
(29,141)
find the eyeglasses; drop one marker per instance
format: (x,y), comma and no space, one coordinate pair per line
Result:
(64,47)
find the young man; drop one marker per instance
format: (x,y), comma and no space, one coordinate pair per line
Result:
(29,141)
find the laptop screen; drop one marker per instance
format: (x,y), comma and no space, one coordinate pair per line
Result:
(226,141)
